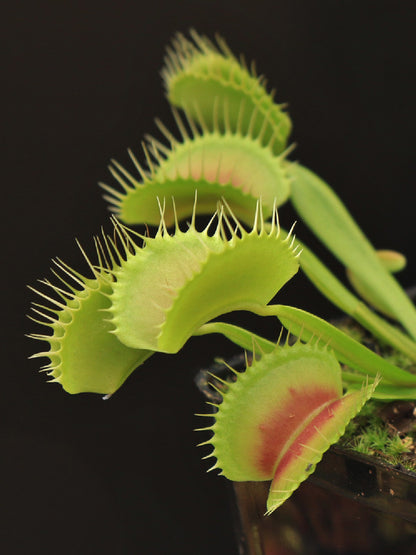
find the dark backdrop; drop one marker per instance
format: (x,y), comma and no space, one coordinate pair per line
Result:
(80,475)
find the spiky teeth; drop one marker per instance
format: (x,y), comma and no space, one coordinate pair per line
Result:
(153,297)
(199,75)
(229,165)
(280,416)
(165,291)
(84,356)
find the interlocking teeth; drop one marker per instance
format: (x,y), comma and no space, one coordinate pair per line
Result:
(280,415)
(165,291)
(230,165)
(199,74)
(84,356)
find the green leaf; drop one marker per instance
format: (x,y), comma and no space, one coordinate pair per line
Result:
(393,262)
(240,336)
(338,294)
(325,214)
(84,355)
(280,415)
(229,165)
(201,77)
(166,290)
(305,326)
(384,391)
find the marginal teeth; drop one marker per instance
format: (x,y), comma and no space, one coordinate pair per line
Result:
(155,303)
(84,356)
(231,166)
(261,431)
(231,144)
(189,65)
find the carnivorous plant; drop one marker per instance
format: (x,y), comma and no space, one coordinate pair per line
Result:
(150,293)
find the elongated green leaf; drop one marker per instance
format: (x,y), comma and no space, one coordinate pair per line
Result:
(240,336)
(325,214)
(393,262)
(384,391)
(249,341)
(305,326)
(337,293)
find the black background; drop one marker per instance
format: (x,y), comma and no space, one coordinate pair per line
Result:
(81,84)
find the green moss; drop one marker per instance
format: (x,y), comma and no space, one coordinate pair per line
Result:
(374,434)
(368,434)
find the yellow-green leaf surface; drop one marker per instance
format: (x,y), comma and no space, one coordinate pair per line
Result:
(200,76)
(393,262)
(325,214)
(337,293)
(306,325)
(166,290)
(228,165)
(84,355)
(280,416)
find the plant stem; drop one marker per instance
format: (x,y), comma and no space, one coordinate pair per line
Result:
(240,336)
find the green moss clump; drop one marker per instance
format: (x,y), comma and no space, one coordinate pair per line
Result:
(386,431)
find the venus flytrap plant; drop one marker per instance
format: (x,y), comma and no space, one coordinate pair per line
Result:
(232,164)
(166,290)
(200,75)
(84,354)
(316,203)
(152,293)
(231,158)
(280,416)
(325,214)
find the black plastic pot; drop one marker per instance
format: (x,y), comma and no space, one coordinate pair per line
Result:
(350,505)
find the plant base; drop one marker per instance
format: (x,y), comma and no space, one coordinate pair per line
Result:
(348,506)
